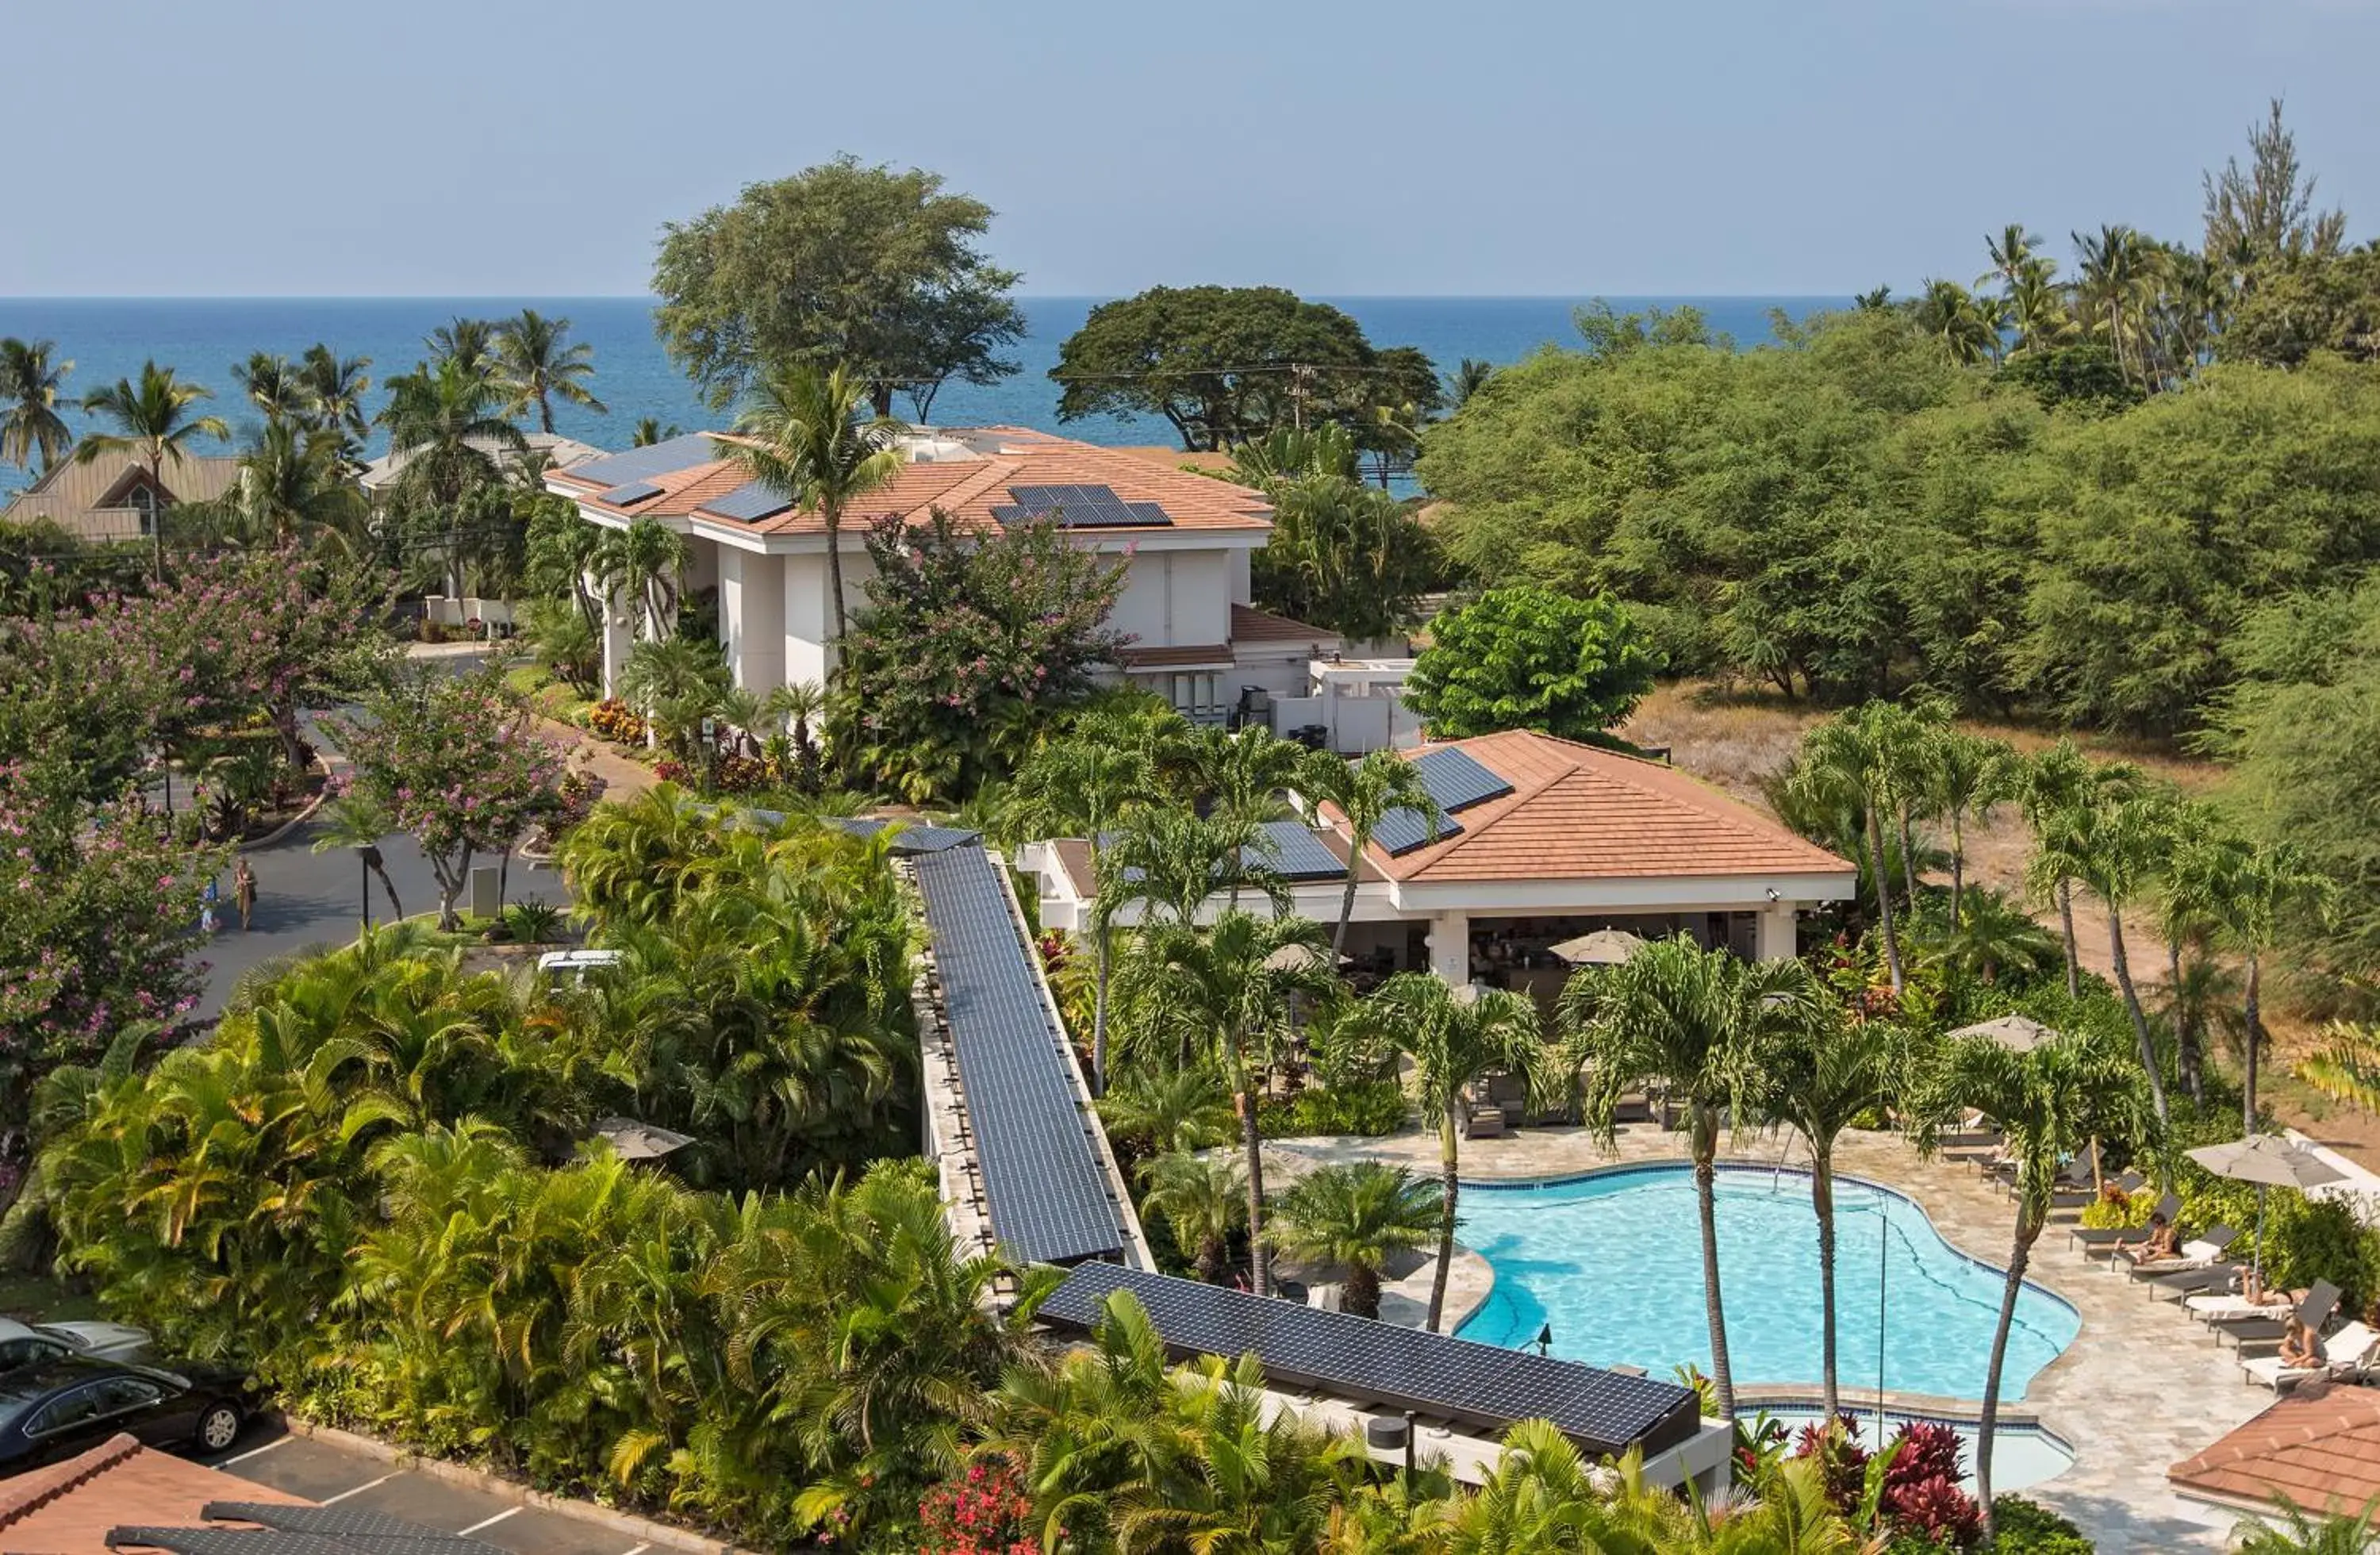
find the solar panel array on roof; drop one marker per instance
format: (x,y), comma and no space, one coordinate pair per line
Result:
(643,463)
(1402,830)
(1374,1364)
(630,495)
(1078,507)
(749,503)
(1048,1195)
(297,1530)
(1297,854)
(1456,780)
(914,837)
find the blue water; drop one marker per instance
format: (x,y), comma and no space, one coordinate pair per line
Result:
(108,338)
(1614,1263)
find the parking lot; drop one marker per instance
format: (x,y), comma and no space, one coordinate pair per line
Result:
(334,1476)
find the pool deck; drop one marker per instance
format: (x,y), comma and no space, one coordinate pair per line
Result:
(2142,1387)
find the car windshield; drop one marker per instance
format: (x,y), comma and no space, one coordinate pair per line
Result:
(61,1335)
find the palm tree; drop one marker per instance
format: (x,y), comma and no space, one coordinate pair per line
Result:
(1847,764)
(1357,1215)
(1966,775)
(804,439)
(650,431)
(1819,1078)
(2269,889)
(2300,1532)
(153,423)
(1689,1020)
(2193,874)
(1081,785)
(1470,376)
(1242,775)
(29,387)
(1996,935)
(1457,1037)
(676,684)
(355,819)
(291,484)
(1204,1198)
(2048,1104)
(337,386)
(443,421)
(645,561)
(1227,990)
(1170,1110)
(2112,845)
(1365,794)
(2012,253)
(469,345)
(536,363)
(2055,781)
(796,705)
(1170,862)
(275,388)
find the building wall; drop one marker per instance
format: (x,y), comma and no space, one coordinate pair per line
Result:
(809,619)
(1175,599)
(752,616)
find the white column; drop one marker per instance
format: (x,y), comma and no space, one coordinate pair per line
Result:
(752,618)
(619,636)
(1450,948)
(808,621)
(1777,938)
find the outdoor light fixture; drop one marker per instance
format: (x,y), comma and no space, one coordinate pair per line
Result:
(1772,894)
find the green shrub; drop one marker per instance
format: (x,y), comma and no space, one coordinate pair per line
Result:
(1369,1110)
(2108,1213)
(2023,1528)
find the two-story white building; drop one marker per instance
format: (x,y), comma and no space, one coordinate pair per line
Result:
(1184,540)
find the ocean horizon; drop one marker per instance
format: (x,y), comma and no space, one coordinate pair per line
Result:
(201,338)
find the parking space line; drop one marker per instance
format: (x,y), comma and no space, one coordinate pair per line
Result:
(636,1550)
(487,1521)
(257,1451)
(368,1485)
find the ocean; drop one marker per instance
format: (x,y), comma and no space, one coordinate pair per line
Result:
(108,338)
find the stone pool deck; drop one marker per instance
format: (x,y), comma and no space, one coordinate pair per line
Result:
(2142,1387)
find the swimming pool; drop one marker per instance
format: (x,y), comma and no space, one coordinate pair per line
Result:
(2023,1455)
(1613,1263)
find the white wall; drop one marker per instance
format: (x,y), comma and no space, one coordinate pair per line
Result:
(1175,599)
(752,617)
(808,620)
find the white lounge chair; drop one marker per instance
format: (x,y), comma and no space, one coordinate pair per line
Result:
(2352,1352)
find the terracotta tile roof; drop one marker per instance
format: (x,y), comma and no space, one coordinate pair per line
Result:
(1251,625)
(1216,657)
(2319,1447)
(1578,812)
(968,489)
(68,1508)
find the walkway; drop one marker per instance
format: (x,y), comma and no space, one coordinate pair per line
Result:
(2142,1387)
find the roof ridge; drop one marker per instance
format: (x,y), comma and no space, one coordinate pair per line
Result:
(81,1471)
(1519,798)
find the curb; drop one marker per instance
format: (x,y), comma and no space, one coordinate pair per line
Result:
(281,832)
(628,1525)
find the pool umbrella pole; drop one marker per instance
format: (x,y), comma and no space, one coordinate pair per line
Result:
(2269,1161)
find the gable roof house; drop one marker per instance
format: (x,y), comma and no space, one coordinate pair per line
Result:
(114,497)
(1184,540)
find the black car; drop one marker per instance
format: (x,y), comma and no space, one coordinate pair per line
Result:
(59,1408)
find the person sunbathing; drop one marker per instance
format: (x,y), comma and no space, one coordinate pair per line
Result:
(2164,1241)
(2253,1292)
(2299,1345)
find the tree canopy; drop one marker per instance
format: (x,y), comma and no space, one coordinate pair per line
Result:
(876,270)
(1530,659)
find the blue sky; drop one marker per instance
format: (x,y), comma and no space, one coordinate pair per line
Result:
(1340,147)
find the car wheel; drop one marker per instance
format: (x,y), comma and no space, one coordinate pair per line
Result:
(219,1427)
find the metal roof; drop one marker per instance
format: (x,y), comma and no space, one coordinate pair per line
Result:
(643,463)
(1375,1364)
(1045,1188)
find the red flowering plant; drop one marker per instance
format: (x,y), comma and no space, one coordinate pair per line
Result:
(1920,1499)
(99,921)
(459,763)
(985,1511)
(965,641)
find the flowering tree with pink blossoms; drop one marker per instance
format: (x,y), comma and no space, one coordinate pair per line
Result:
(457,760)
(99,915)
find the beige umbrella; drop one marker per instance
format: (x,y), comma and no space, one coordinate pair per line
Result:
(1602,947)
(631,1140)
(2269,1161)
(1297,958)
(2016,1033)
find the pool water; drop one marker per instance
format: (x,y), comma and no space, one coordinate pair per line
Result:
(1613,1262)
(2022,1456)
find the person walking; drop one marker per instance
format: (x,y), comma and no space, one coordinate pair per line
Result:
(243,893)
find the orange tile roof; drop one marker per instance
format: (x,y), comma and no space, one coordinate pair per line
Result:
(1578,812)
(2321,1448)
(968,489)
(1218,656)
(68,1508)
(1251,625)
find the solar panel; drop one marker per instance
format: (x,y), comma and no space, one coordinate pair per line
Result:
(1077,507)
(643,463)
(1456,780)
(749,503)
(299,1530)
(1402,830)
(630,495)
(914,837)
(1297,854)
(1373,1363)
(1046,1191)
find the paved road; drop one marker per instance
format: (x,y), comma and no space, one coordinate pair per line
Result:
(331,1475)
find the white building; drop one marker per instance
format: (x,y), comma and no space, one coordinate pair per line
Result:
(1543,840)
(1185,542)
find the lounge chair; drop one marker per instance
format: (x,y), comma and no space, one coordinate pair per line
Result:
(2230,1308)
(2106,1241)
(1485,1121)
(2317,1306)
(2351,1353)
(2203,1253)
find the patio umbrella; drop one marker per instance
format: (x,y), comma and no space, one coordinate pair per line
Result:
(1297,958)
(2016,1033)
(631,1140)
(1603,947)
(2269,1161)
